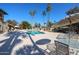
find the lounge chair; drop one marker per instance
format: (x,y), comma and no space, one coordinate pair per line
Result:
(50,49)
(58,48)
(61,48)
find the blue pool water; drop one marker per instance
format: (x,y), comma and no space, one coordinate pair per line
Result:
(34,32)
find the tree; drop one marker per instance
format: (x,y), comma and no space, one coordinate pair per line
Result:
(44,14)
(49,24)
(32,13)
(14,22)
(11,24)
(48,9)
(25,25)
(37,25)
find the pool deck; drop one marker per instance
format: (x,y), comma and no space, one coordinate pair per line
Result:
(26,41)
(38,39)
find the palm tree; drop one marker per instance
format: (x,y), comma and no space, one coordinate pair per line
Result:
(39,26)
(35,25)
(32,13)
(49,24)
(44,25)
(48,9)
(44,14)
(14,22)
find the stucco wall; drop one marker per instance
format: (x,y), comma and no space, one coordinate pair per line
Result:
(3,27)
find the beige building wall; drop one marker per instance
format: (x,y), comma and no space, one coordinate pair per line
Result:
(3,27)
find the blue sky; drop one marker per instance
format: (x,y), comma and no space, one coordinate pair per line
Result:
(20,11)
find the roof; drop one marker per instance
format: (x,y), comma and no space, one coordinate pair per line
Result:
(73,10)
(3,12)
(74,19)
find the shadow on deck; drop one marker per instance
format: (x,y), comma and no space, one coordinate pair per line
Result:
(7,47)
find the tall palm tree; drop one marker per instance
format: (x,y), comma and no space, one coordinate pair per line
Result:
(44,25)
(37,25)
(48,9)
(49,24)
(32,13)
(44,14)
(14,22)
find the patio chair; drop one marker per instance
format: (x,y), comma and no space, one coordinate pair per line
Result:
(50,49)
(61,48)
(57,49)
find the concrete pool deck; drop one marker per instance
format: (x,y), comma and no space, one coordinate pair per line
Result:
(16,42)
(26,41)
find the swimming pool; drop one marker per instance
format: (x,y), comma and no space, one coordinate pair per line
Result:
(34,32)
